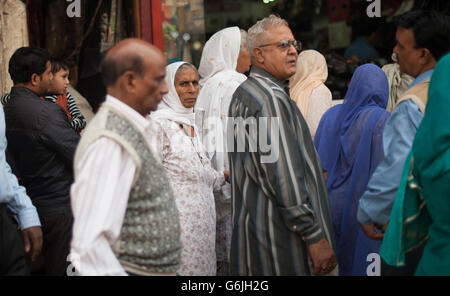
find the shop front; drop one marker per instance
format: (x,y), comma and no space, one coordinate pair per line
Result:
(180,29)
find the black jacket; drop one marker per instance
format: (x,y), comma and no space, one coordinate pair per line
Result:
(43,144)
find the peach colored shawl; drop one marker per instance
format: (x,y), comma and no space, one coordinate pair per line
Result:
(312,71)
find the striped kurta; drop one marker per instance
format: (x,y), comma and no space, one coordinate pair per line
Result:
(278,208)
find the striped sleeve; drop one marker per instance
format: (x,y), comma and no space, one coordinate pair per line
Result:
(5,99)
(78,121)
(51,98)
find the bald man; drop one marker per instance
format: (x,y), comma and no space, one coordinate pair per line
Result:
(126,220)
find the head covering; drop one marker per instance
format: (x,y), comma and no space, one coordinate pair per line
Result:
(349,144)
(219,80)
(421,191)
(312,71)
(220,53)
(171,107)
(368,89)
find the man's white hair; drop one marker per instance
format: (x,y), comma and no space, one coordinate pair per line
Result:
(257,33)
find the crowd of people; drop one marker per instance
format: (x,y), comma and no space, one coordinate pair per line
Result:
(240,167)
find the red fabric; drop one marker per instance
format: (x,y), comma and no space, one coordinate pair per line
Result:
(157,17)
(62,101)
(146,20)
(338,10)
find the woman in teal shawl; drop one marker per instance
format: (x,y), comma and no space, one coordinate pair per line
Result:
(421,212)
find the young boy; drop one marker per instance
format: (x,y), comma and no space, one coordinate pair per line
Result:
(60,95)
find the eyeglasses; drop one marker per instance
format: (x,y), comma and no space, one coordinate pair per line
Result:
(286,44)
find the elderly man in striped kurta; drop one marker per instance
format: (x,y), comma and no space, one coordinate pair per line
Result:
(281,216)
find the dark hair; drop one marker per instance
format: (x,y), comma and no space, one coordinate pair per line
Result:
(431,30)
(27,61)
(58,64)
(114,67)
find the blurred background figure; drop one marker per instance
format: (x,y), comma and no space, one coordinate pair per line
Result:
(398,82)
(224,59)
(362,47)
(308,90)
(350,146)
(420,215)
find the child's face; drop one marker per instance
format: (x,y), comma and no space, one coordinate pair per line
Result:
(59,82)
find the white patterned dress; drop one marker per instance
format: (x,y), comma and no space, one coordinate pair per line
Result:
(193,181)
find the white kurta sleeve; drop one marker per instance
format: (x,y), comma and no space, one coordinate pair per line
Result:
(99,200)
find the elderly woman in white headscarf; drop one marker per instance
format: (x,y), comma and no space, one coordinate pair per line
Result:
(308,90)
(191,176)
(225,57)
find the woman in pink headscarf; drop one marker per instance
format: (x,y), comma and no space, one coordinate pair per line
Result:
(308,90)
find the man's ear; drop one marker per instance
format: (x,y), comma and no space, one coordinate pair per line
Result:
(35,79)
(129,81)
(426,55)
(258,55)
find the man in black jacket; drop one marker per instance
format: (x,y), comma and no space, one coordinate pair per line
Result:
(42,144)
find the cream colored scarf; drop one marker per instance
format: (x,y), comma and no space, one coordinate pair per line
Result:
(312,71)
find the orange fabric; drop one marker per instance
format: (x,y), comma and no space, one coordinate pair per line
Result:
(62,101)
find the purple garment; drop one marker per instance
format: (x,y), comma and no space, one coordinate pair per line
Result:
(349,144)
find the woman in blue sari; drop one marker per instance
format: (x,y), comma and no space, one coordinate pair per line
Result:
(350,147)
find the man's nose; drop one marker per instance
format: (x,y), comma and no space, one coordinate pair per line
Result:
(395,51)
(292,50)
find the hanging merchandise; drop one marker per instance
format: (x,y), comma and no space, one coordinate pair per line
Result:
(183,26)
(338,10)
(13,34)
(339,33)
(187,57)
(35,22)
(111,26)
